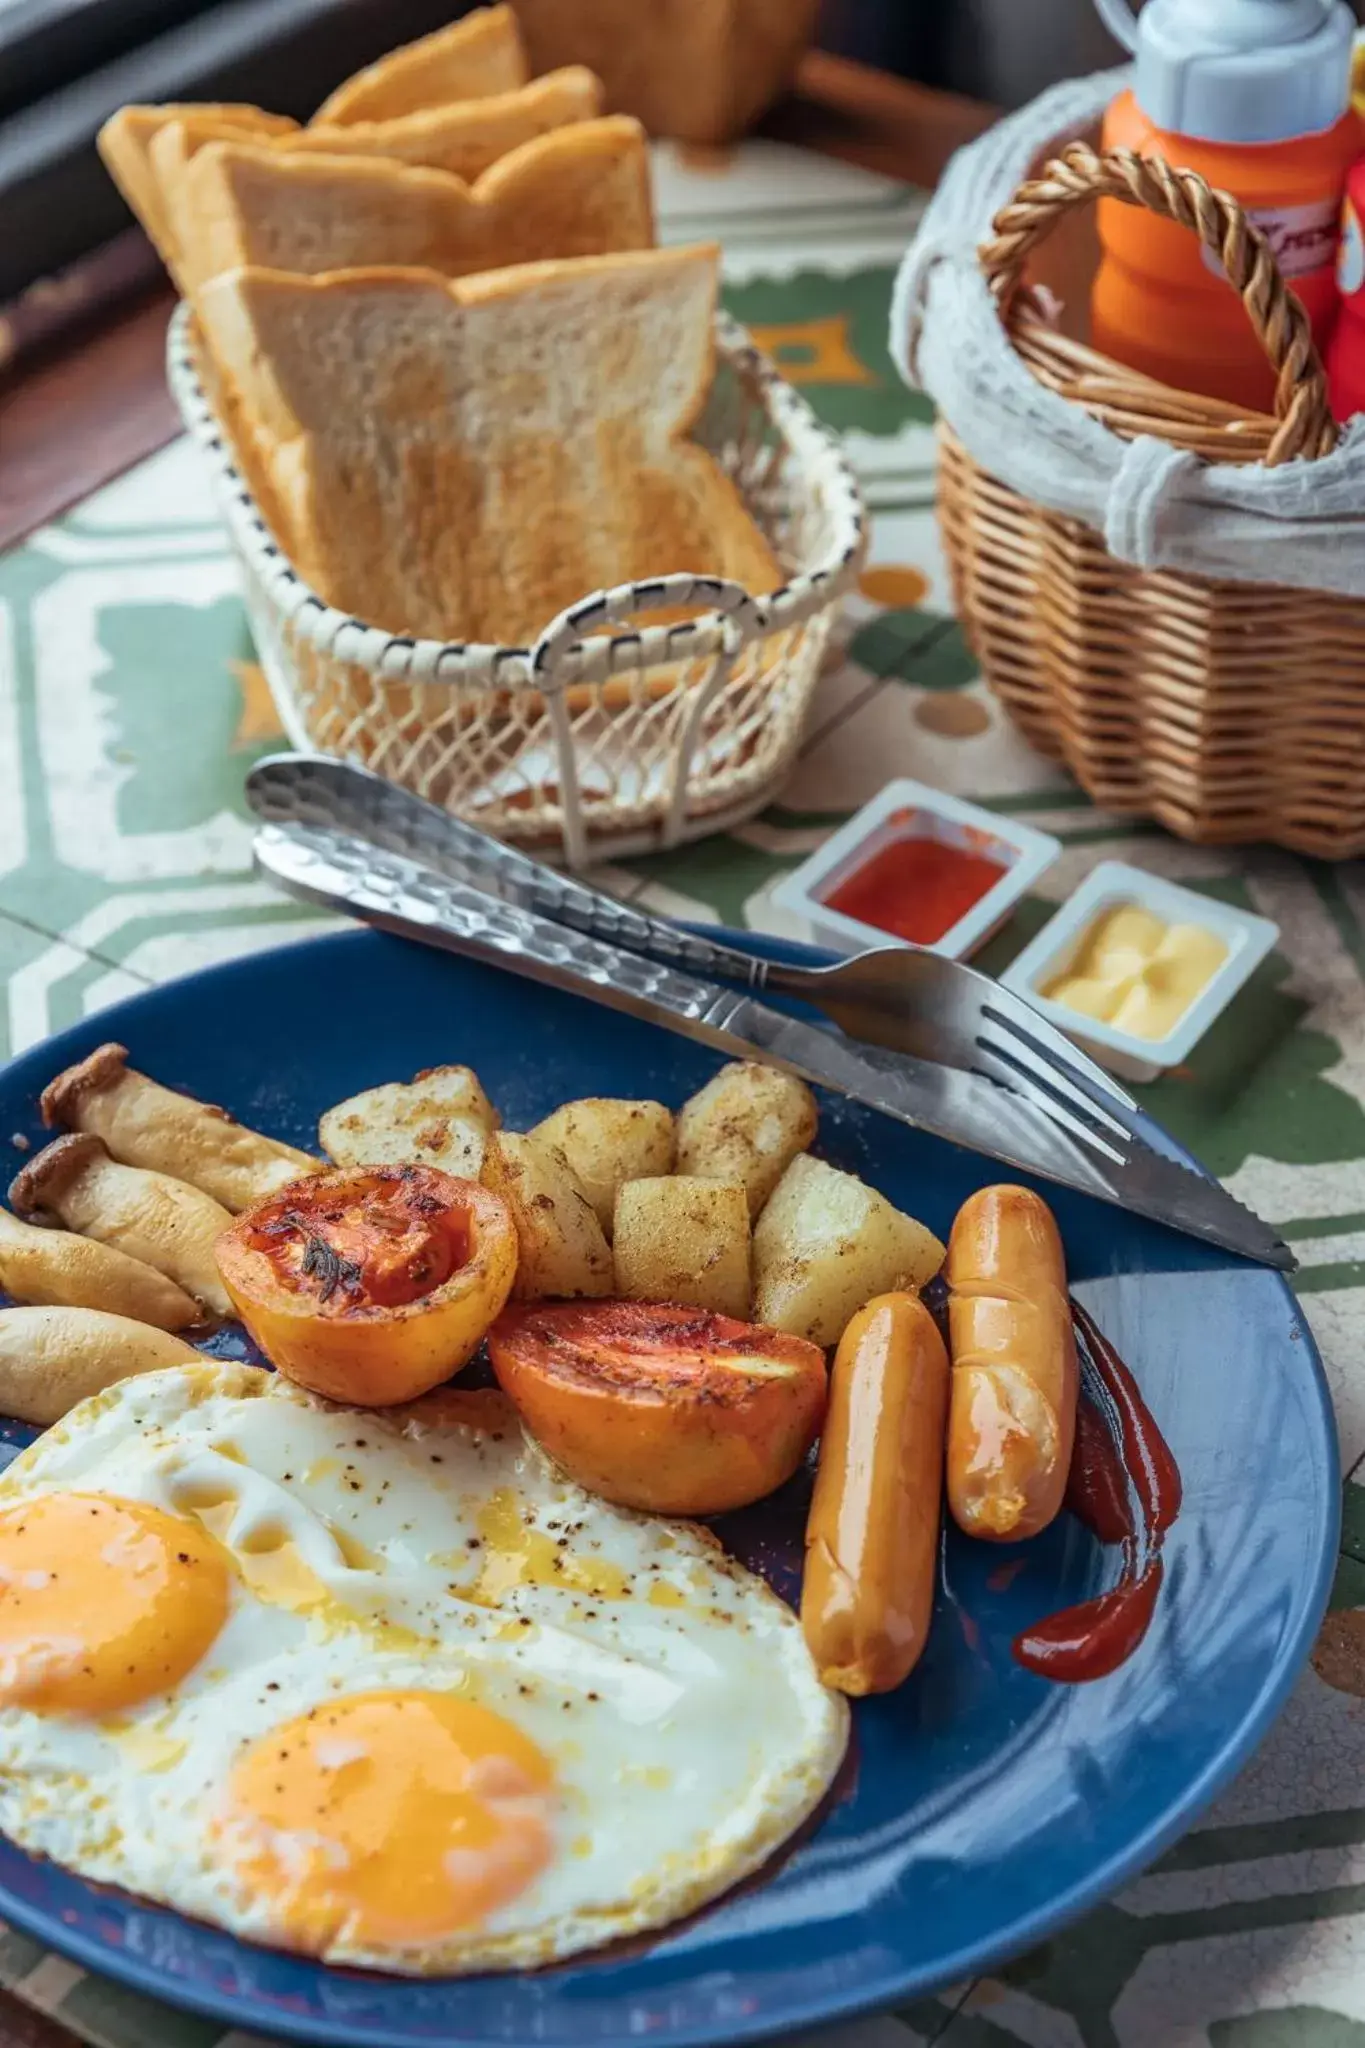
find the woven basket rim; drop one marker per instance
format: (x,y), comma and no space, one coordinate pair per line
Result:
(736,617)
(1075,174)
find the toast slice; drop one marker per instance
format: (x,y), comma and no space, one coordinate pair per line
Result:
(126,139)
(580,191)
(468,136)
(463,460)
(470,60)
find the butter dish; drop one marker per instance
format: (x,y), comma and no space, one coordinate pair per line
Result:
(1061,948)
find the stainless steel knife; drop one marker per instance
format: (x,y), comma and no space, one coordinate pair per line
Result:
(902,997)
(399,894)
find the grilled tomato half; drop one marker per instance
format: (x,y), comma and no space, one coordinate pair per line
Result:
(674,1410)
(371,1284)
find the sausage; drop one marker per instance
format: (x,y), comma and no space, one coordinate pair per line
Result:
(872,1536)
(1012,1417)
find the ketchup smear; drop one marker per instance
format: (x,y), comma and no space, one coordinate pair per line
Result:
(1125,1486)
(916,889)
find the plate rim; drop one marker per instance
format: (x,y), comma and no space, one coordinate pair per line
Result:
(890,1988)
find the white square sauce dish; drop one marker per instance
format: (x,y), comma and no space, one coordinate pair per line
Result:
(916,867)
(1135,969)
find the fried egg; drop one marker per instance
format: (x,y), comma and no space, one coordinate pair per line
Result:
(384,1688)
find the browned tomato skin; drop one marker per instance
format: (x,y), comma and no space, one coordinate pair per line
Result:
(371,1285)
(644,1346)
(649,1404)
(358,1239)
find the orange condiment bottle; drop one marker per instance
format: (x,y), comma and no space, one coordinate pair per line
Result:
(1255,95)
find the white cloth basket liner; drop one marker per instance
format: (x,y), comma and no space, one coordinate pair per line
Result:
(1157,507)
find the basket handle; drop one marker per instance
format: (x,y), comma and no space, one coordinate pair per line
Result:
(1080,174)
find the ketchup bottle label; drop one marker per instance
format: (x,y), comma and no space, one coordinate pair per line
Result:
(1302,239)
(1350,253)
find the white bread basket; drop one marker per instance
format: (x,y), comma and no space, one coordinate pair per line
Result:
(602,748)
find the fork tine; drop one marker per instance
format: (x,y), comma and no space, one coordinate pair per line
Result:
(1074,1076)
(1002,1006)
(1078,1118)
(1022,1059)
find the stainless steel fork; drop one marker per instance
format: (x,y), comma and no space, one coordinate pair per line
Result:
(912,1002)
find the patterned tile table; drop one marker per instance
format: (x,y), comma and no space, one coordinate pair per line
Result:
(130,703)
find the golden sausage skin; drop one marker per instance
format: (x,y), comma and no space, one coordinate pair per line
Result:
(1012,1417)
(872,1536)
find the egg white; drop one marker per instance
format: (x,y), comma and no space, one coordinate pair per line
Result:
(429,1547)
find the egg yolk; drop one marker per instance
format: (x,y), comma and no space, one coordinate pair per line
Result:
(103,1602)
(388,1819)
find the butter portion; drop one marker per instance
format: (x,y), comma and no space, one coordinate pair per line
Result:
(1138,973)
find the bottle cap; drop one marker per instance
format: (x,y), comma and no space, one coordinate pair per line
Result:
(1239,70)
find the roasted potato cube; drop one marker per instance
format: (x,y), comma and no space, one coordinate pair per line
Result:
(684,1238)
(747,1124)
(440,1118)
(825,1244)
(607,1142)
(561,1248)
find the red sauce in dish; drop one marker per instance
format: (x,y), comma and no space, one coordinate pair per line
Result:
(1125,1486)
(916,889)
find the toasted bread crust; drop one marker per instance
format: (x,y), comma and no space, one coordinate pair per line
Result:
(583,190)
(472,58)
(467,135)
(126,144)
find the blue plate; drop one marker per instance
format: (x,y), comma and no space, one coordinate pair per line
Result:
(983,1806)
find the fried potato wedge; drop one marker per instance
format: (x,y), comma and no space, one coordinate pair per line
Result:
(825,1244)
(561,1247)
(747,1124)
(608,1142)
(682,1238)
(440,1118)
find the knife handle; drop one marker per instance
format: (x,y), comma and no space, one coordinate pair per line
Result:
(316,790)
(324,865)
(600,916)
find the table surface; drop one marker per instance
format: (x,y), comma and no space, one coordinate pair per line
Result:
(130,702)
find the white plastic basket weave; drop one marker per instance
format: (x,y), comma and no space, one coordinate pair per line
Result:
(611,745)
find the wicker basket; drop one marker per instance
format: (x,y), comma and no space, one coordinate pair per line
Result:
(590,744)
(1228,711)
